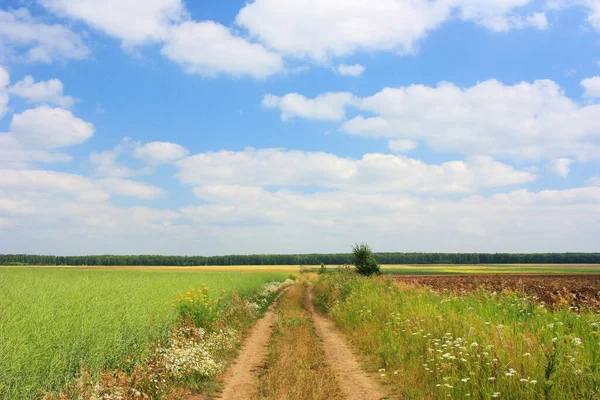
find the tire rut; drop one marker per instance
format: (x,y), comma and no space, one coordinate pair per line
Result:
(241,379)
(354,382)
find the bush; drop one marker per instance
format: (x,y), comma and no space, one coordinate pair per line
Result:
(323,269)
(364,261)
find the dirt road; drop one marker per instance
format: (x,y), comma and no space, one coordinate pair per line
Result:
(354,382)
(242,379)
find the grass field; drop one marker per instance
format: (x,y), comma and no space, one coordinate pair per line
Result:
(53,319)
(478,344)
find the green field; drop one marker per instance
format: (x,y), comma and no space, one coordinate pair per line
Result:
(53,319)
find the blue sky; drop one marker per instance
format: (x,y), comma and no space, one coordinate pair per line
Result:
(282,126)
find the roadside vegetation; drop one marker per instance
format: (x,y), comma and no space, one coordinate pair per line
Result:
(87,332)
(295,367)
(478,344)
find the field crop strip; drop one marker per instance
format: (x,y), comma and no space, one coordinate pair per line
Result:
(53,319)
(480,344)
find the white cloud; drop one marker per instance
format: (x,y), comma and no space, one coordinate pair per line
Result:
(160,152)
(591,6)
(350,70)
(593,181)
(328,106)
(561,166)
(526,121)
(20,32)
(373,172)
(4,82)
(48,92)
(321,29)
(107,163)
(210,49)
(129,188)
(41,181)
(500,15)
(110,163)
(132,21)
(46,128)
(15,155)
(591,87)
(401,146)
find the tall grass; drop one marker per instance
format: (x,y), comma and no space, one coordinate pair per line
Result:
(478,345)
(53,320)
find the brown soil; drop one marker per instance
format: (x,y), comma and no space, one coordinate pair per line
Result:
(553,290)
(354,382)
(241,379)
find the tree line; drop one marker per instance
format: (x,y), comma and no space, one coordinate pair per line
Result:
(303,259)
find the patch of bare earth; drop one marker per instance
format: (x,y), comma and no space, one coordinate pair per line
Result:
(355,383)
(572,290)
(241,379)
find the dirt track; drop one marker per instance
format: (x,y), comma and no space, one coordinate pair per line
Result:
(242,378)
(354,382)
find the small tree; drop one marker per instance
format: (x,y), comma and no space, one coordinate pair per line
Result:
(364,261)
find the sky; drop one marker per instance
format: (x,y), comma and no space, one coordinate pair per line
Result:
(299,126)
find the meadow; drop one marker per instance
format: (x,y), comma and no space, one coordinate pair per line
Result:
(53,319)
(479,344)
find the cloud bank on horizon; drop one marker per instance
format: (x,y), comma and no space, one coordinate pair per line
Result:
(280,126)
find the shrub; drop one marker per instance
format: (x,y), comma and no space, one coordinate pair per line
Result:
(364,261)
(323,269)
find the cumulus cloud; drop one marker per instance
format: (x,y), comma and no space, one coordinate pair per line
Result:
(47,128)
(160,152)
(112,163)
(199,47)
(79,187)
(153,18)
(591,87)
(4,81)
(591,6)
(500,15)
(342,27)
(350,70)
(561,166)
(373,172)
(526,121)
(47,92)
(401,146)
(328,106)
(41,181)
(593,181)
(15,155)
(129,188)
(39,42)
(109,162)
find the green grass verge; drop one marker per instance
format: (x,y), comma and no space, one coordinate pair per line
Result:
(478,345)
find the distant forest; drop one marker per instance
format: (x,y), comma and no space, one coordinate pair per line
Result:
(304,259)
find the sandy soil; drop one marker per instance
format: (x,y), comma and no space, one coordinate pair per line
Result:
(354,382)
